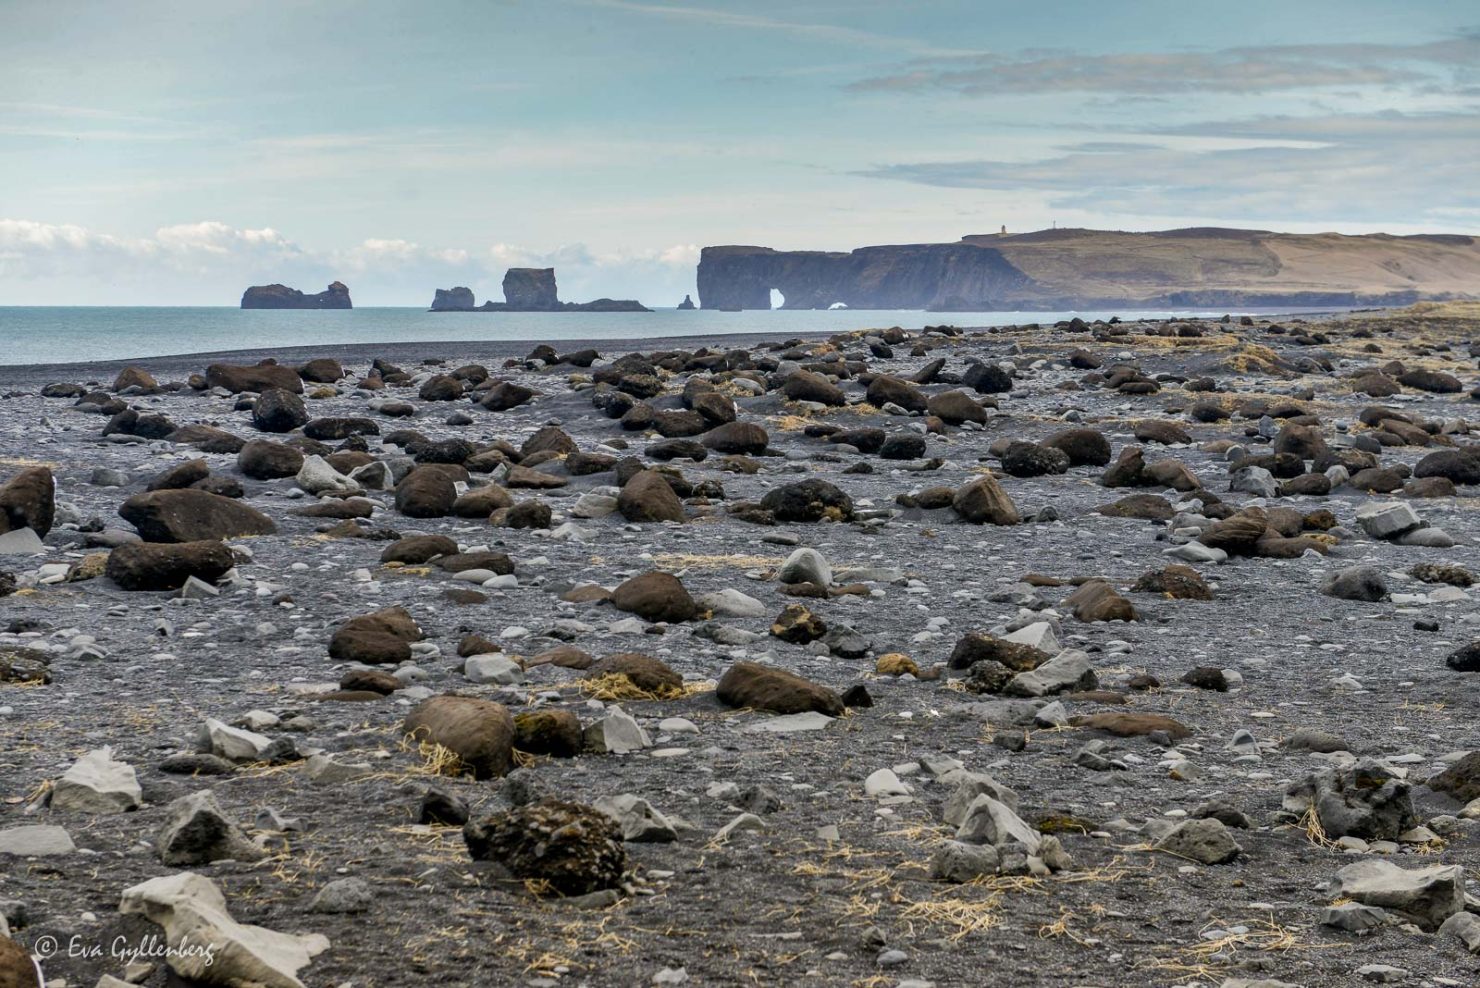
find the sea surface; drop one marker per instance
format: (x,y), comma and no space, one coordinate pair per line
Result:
(59,334)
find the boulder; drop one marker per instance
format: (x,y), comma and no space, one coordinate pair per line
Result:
(737,437)
(1206,841)
(193,913)
(264,460)
(192,516)
(1084,447)
(166,566)
(758,687)
(197,832)
(1425,896)
(97,783)
(984,502)
(807,501)
(655,596)
(572,848)
(426,492)
(479,732)
(648,497)
(258,378)
(28,500)
(278,410)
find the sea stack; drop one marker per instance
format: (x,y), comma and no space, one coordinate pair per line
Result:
(336,296)
(453,300)
(687,304)
(530,290)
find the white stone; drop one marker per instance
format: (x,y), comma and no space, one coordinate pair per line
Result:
(207,945)
(96,783)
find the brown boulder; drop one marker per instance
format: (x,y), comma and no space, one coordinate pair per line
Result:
(758,687)
(1096,600)
(378,638)
(655,596)
(983,501)
(417,549)
(643,671)
(166,566)
(192,516)
(259,378)
(479,732)
(648,497)
(1129,725)
(28,500)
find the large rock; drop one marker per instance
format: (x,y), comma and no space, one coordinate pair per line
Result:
(810,386)
(737,437)
(426,492)
(192,516)
(167,565)
(28,500)
(378,638)
(1096,600)
(1069,670)
(1426,896)
(278,410)
(16,967)
(808,500)
(479,732)
(459,299)
(1084,447)
(261,459)
(198,832)
(758,687)
(572,848)
(1363,583)
(648,497)
(1367,800)
(984,502)
(1205,841)
(206,946)
(655,596)
(97,783)
(259,378)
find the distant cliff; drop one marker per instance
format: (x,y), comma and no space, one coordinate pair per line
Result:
(1059,269)
(336,296)
(528,290)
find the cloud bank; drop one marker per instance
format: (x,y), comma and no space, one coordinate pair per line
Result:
(210,263)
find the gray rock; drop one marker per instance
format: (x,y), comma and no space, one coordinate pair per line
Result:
(1363,583)
(198,832)
(1206,841)
(96,783)
(805,566)
(1385,521)
(617,733)
(954,861)
(640,822)
(1427,896)
(1069,670)
(343,895)
(36,841)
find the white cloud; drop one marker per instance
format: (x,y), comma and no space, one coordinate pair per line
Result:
(210,263)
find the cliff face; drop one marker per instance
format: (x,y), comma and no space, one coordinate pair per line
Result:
(914,276)
(336,296)
(1059,269)
(528,290)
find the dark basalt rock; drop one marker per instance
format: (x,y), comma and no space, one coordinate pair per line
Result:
(336,296)
(164,566)
(260,377)
(28,500)
(808,500)
(192,516)
(572,848)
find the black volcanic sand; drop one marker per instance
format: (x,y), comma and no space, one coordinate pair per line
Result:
(780,906)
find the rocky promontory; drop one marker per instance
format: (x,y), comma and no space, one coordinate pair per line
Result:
(336,296)
(528,290)
(1085,269)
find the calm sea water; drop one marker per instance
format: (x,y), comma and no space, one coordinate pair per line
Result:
(36,335)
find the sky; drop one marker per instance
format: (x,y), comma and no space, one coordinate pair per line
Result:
(172,153)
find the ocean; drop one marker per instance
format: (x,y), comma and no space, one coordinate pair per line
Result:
(59,334)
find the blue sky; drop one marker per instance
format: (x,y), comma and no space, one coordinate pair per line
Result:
(172,153)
